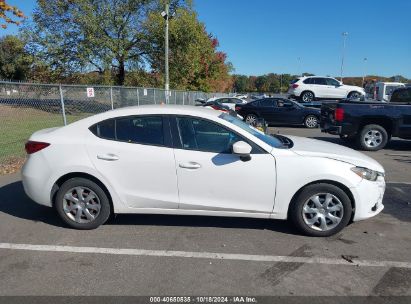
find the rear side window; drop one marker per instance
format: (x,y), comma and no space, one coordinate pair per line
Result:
(143,130)
(320,81)
(308,81)
(146,130)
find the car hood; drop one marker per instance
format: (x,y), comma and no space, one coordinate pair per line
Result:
(319,148)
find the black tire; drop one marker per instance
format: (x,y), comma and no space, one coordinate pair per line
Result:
(88,186)
(354,94)
(367,142)
(251,119)
(307,96)
(298,218)
(311,122)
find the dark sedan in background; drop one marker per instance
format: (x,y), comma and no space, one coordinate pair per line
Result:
(279,111)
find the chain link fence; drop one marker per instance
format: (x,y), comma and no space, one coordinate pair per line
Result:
(28,107)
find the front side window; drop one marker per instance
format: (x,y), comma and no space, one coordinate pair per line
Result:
(202,135)
(332,82)
(146,130)
(268,139)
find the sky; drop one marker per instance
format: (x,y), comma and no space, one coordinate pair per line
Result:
(296,36)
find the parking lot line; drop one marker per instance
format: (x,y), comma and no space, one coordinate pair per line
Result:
(204,255)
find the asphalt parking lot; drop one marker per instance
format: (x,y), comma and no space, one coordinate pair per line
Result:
(186,255)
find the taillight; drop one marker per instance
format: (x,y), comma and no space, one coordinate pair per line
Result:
(339,114)
(294,86)
(35,146)
(237,108)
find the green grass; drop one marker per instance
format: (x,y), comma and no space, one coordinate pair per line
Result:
(18,123)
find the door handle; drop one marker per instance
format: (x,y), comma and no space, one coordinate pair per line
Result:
(108,157)
(190,165)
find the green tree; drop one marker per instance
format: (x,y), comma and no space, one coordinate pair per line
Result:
(14,60)
(240,83)
(85,35)
(195,63)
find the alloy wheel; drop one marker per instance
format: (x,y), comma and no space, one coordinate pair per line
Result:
(323,211)
(373,138)
(308,96)
(81,205)
(311,122)
(251,119)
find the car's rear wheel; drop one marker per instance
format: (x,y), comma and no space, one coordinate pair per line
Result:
(307,96)
(372,138)
(251,119)
(311,121)
(82,204)
(321,210)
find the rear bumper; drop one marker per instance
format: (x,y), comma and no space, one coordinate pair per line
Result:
(34,174)
(331,129)
(345,129)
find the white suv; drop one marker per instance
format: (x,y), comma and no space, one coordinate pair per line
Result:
(309,88)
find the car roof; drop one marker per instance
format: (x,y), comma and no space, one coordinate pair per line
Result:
(161,109)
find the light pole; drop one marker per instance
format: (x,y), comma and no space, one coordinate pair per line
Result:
(344,34)
(364,74)
(166,15)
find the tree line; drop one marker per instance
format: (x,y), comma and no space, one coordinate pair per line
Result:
(115,42)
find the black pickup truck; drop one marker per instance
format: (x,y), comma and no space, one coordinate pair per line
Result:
(370,124)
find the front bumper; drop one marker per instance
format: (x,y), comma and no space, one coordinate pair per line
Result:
(368,197)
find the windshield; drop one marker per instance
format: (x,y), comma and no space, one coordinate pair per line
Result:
(268,139)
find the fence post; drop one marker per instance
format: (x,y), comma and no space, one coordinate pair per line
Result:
(175,97)
(111,98)
(138,98)
(154,93)
(184,93)
(63,111)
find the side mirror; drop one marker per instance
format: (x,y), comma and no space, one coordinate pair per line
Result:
(242,149)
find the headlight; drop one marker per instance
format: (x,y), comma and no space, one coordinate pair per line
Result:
(368,174)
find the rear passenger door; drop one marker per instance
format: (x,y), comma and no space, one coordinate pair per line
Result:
(135,155)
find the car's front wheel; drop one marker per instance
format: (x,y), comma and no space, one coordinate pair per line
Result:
(321,210)
(311,121)
(82,204)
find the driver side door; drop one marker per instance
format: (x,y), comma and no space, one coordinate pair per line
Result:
(212,178)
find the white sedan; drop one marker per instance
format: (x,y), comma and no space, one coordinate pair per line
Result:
(188,160)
